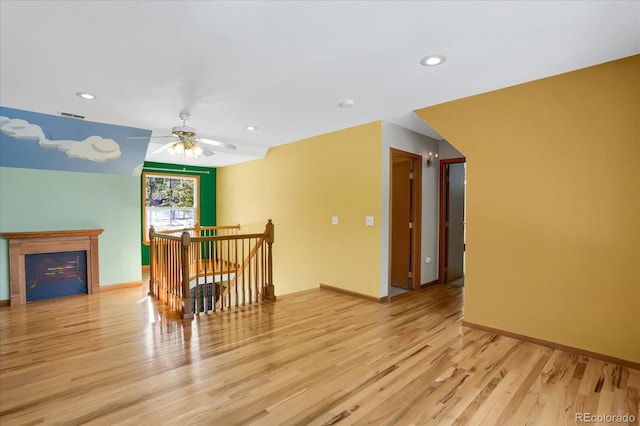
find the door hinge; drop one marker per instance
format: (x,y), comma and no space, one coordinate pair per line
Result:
(410,225)
(411,175)
(410,275)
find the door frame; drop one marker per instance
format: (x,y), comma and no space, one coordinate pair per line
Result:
(416,241)
(441,211)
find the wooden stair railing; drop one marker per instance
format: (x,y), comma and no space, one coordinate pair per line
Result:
(204,269)
(203,231)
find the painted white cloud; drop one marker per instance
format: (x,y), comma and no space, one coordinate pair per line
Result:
(94,148)
(21,129)
(138,170)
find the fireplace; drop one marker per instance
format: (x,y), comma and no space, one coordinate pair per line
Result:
(51,275)
(49,264)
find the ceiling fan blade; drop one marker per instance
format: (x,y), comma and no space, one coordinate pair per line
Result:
(217,143)
(206,151)
(150,137)
(162,148)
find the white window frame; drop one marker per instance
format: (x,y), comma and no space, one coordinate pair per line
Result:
(148,210)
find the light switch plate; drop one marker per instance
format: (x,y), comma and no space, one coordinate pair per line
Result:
(334,220)
(368,220)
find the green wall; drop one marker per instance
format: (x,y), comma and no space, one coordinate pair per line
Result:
(207,194)
(46,200)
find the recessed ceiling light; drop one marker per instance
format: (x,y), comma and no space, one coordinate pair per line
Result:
(250,128)
(84,95)
(347,103)
(432,60)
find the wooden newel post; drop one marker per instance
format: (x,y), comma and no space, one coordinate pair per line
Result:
(152,260)
(186,294)
(270,290)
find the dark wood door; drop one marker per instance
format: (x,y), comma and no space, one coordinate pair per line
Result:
(454,221)
(401,216)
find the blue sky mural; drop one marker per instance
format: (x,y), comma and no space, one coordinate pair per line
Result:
(33,140)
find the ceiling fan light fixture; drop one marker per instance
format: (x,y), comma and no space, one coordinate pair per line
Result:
(186,148)
(178,147)
(187,142)
(433,60)
(193,151)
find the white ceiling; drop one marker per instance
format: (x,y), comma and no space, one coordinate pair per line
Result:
(284,66)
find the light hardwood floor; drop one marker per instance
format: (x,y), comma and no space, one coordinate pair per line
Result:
(311,358)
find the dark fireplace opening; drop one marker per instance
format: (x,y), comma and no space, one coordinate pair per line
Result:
(51,275)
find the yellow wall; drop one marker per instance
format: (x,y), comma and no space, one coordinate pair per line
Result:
(553,213)
(301,186)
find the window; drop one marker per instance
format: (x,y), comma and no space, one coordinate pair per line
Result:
(170,202)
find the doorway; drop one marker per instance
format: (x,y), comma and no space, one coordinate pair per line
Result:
(405,193)
(451,263)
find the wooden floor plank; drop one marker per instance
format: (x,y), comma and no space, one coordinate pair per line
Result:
(311,358)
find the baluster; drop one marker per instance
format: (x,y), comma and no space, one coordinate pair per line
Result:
(270,240)
(152,260)
(244,292)
(228,290)
(212,267)
(170,267)
(249,271)
(172,288)
(162,256)
(168,261)
(254,268)
(235,267)
(160,269)
(171,261)
(172,273)
(206,285)
(216,269)
(176,274)
(261,281)
(159,272)
(197,292)
(256,271)
(186,294)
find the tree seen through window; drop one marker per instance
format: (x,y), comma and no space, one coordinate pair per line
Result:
(170,202)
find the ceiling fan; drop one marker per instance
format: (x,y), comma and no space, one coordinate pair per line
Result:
(186,141)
